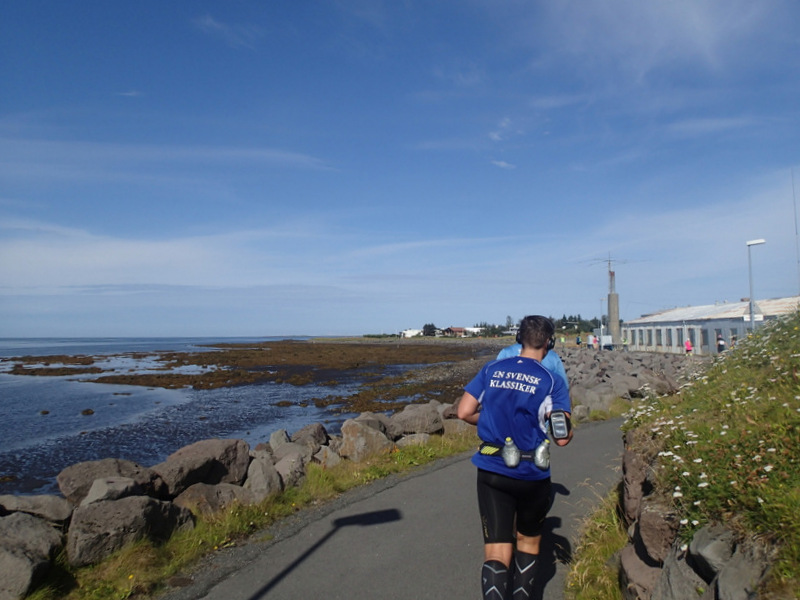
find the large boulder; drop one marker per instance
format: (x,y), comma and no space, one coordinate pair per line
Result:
(678,581)
(76,480)
(304,450)
(585,396)
(263,479)
(382,423)
(710,549)
(741,576)
(637,577)
(418,418)
(657,528)
(207,461)
(360,441)
(314,436)
(27,546)
(634,474)
(457,427)
(207,499)
(51,508)
(112,488)
(278,438)
(101,528)
(292,469)
(327,457)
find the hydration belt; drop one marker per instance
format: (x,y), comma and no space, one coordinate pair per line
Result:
(488,449)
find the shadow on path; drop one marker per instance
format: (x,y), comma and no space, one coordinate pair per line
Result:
(377,517)
(553,547)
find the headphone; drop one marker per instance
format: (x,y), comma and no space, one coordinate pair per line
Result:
(551,343)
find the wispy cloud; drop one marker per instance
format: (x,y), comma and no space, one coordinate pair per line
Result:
(26,158)
(705,126)
(503,164)
(236,36)
(499,133)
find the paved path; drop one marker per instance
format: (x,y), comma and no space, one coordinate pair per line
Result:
(412,537)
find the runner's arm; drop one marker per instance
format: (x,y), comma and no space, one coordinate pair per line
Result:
(469,409)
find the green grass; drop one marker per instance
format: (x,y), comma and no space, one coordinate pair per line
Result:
(592,575)
(728,445)
(142,569)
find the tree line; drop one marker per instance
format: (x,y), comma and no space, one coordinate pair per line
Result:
(567,324)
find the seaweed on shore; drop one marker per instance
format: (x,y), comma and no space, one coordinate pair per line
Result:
(434,376)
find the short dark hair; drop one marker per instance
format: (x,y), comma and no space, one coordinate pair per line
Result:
(535,331)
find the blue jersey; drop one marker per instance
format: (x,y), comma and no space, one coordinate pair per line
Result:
(515,395)
(551,361)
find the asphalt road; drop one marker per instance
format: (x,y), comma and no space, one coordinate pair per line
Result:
(410,537)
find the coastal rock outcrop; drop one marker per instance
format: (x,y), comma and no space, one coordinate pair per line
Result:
(598,378)
(100,528)
(656,565)
(53,509)
(112,502)
(75,481)
(27,546)
(207,461)
(361,440)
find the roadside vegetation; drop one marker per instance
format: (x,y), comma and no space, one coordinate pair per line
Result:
(729,451)
(143,569)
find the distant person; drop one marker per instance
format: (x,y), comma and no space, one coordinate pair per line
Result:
(733,340)
(688,346)
(510,401)
(720,344)
(578,340)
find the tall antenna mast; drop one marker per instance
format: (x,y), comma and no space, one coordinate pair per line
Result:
(613,307)
(796,242)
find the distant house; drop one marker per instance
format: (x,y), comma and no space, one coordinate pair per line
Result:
(455,332)
(462,331)
(666,331)
(409,333)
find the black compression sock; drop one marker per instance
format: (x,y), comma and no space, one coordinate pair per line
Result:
(524,570)
(494,578)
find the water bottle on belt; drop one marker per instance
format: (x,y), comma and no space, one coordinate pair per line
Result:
(541,457)
(510,453)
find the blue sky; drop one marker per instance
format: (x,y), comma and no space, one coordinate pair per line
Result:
(346,167)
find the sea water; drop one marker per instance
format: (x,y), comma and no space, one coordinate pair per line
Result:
(50,423)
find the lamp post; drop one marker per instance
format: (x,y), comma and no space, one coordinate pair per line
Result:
(750,274)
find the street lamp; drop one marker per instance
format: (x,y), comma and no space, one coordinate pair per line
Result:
(750,274)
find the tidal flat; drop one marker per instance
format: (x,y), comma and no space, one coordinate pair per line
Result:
(391,373)
(59,409)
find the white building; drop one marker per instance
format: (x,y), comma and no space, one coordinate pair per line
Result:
(409,333)
(666,331)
